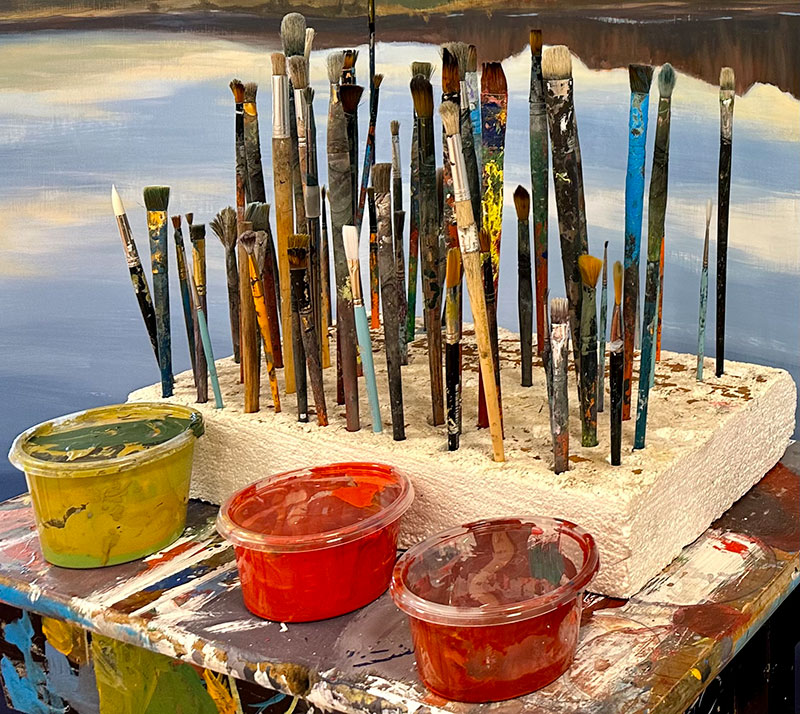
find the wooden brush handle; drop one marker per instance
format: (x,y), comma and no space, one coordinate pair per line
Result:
(186,299)
(248,335)
(400,270)
(157,223)
(232,278)
(269,277)
(365,343)
(390,292)
(201,367)
(256,299)
(525,301)
(311,345)
(615,376)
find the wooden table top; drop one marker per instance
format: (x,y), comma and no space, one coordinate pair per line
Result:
(652,653)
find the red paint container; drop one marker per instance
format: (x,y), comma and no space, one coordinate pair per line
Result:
(495,606)
(317,542)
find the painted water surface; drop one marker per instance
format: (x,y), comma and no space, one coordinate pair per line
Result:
(81,110)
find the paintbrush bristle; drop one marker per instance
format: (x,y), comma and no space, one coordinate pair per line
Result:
(422,94)
(708,211)
(197,231)
(297,251)
(377,80)
(536,42)
(451,118)
(459,50)
(640,77)
(293,34)
(248,241)
(472,59)
(335,63)
(278,64)
(310,33)
(350,59)
(556,62)
(453,270)
(350,240)
(308,95)
(559,310)
(450,75)
(485,243)
(666,80)
(238,90)
(258,214)
(190,218)
(522,202)
(618,275)
(176,222)
(493,79)
(224,226)
(350,96)
(394,127)
(156,198)
(727,79)
(381,176)
(250,91)
(424,69)
(590,268)
(298,71)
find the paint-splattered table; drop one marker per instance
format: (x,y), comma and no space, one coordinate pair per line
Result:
(171,634)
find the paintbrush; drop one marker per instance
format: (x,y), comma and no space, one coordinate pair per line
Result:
(451,85)
(186,294)
(398,224)
(522,202)
(258,215)
(660,313)
(297,68)
(390,295)
(616,360)
(249,372)
(616,315)
(369,151)
(350,95)
(309,44)
(539,182)
(341,202)
(559,404)
(348,69)
(423,69)
(469,244)
(206,340)
(297,340)
(655,235)
(590,268)
(293,39)
(156,200)
(442,243)
(371,24)
(247,241)
(640,79)
(197,234)
(452,354)
(350,238)
(601,352)
(491,307)
(494,107)
(349,77)
(701,323)
(374,277)
(473,97)
(298,266)
(224,227)
(325,276)
(138,280)
(422,94)
(252,146)
(284,221)
(727,93)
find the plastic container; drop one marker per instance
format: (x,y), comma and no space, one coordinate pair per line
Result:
(317,542)
(495,606)
(111,484)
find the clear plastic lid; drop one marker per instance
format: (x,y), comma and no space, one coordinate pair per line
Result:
(316,507)
(495,571)
(105,439)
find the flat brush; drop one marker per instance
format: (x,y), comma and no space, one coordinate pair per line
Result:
(206,340)
(156,200)
(391,290)
(601,352)
(138,280)
(247,241)
(298,266)
(701,323)
(522,203)
(640,78)
(350,238)
(422,94)
(224,227)
(590,268)
(469,244)
(559,404)
(727,93)
(197,234)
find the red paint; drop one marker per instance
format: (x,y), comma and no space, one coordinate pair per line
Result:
(711,619)
(316,543)
(731,546)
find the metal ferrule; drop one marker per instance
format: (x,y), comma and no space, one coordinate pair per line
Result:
(561,88)
(280,106)
(468,239)
(457,168)
(464,94)
(726,113)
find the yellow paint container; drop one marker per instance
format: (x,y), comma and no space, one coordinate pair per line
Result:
(111,484)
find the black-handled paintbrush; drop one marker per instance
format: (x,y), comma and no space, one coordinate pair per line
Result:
(727,93)
(522,202)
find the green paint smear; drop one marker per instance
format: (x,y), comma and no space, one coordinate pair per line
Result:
(100,442)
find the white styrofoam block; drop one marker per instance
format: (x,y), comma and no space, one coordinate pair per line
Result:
(707,444)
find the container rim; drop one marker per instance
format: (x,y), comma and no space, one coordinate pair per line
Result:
(244,537)
(439,614)
(75,469)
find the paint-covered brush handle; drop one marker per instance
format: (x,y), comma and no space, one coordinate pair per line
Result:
(212,367)
(701,327)
(616,359)
(365,345)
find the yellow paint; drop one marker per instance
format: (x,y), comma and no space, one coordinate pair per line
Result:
(250,109)
(696,674)
(217,690)
(59,634)
(156,220)
(493,210)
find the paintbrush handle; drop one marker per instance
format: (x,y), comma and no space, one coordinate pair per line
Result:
(493,122)
(232,279)
(400,270)
(157,225)
(249,335)
(616,359)
(262,317)
(660,302)
(325,274)
(188,310)
(374,269)
(199,268)
(365,345)
(310,343)
(525,301)
(648,352)
(452,369)
(301,384)
(390,290)
(252,146)
(297,179)
(269,277)
(602,330)
(540,169)
(701,324)
(206,339)
(559,417)
(369,160)
(413,236)
(588,390)
(723,203)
